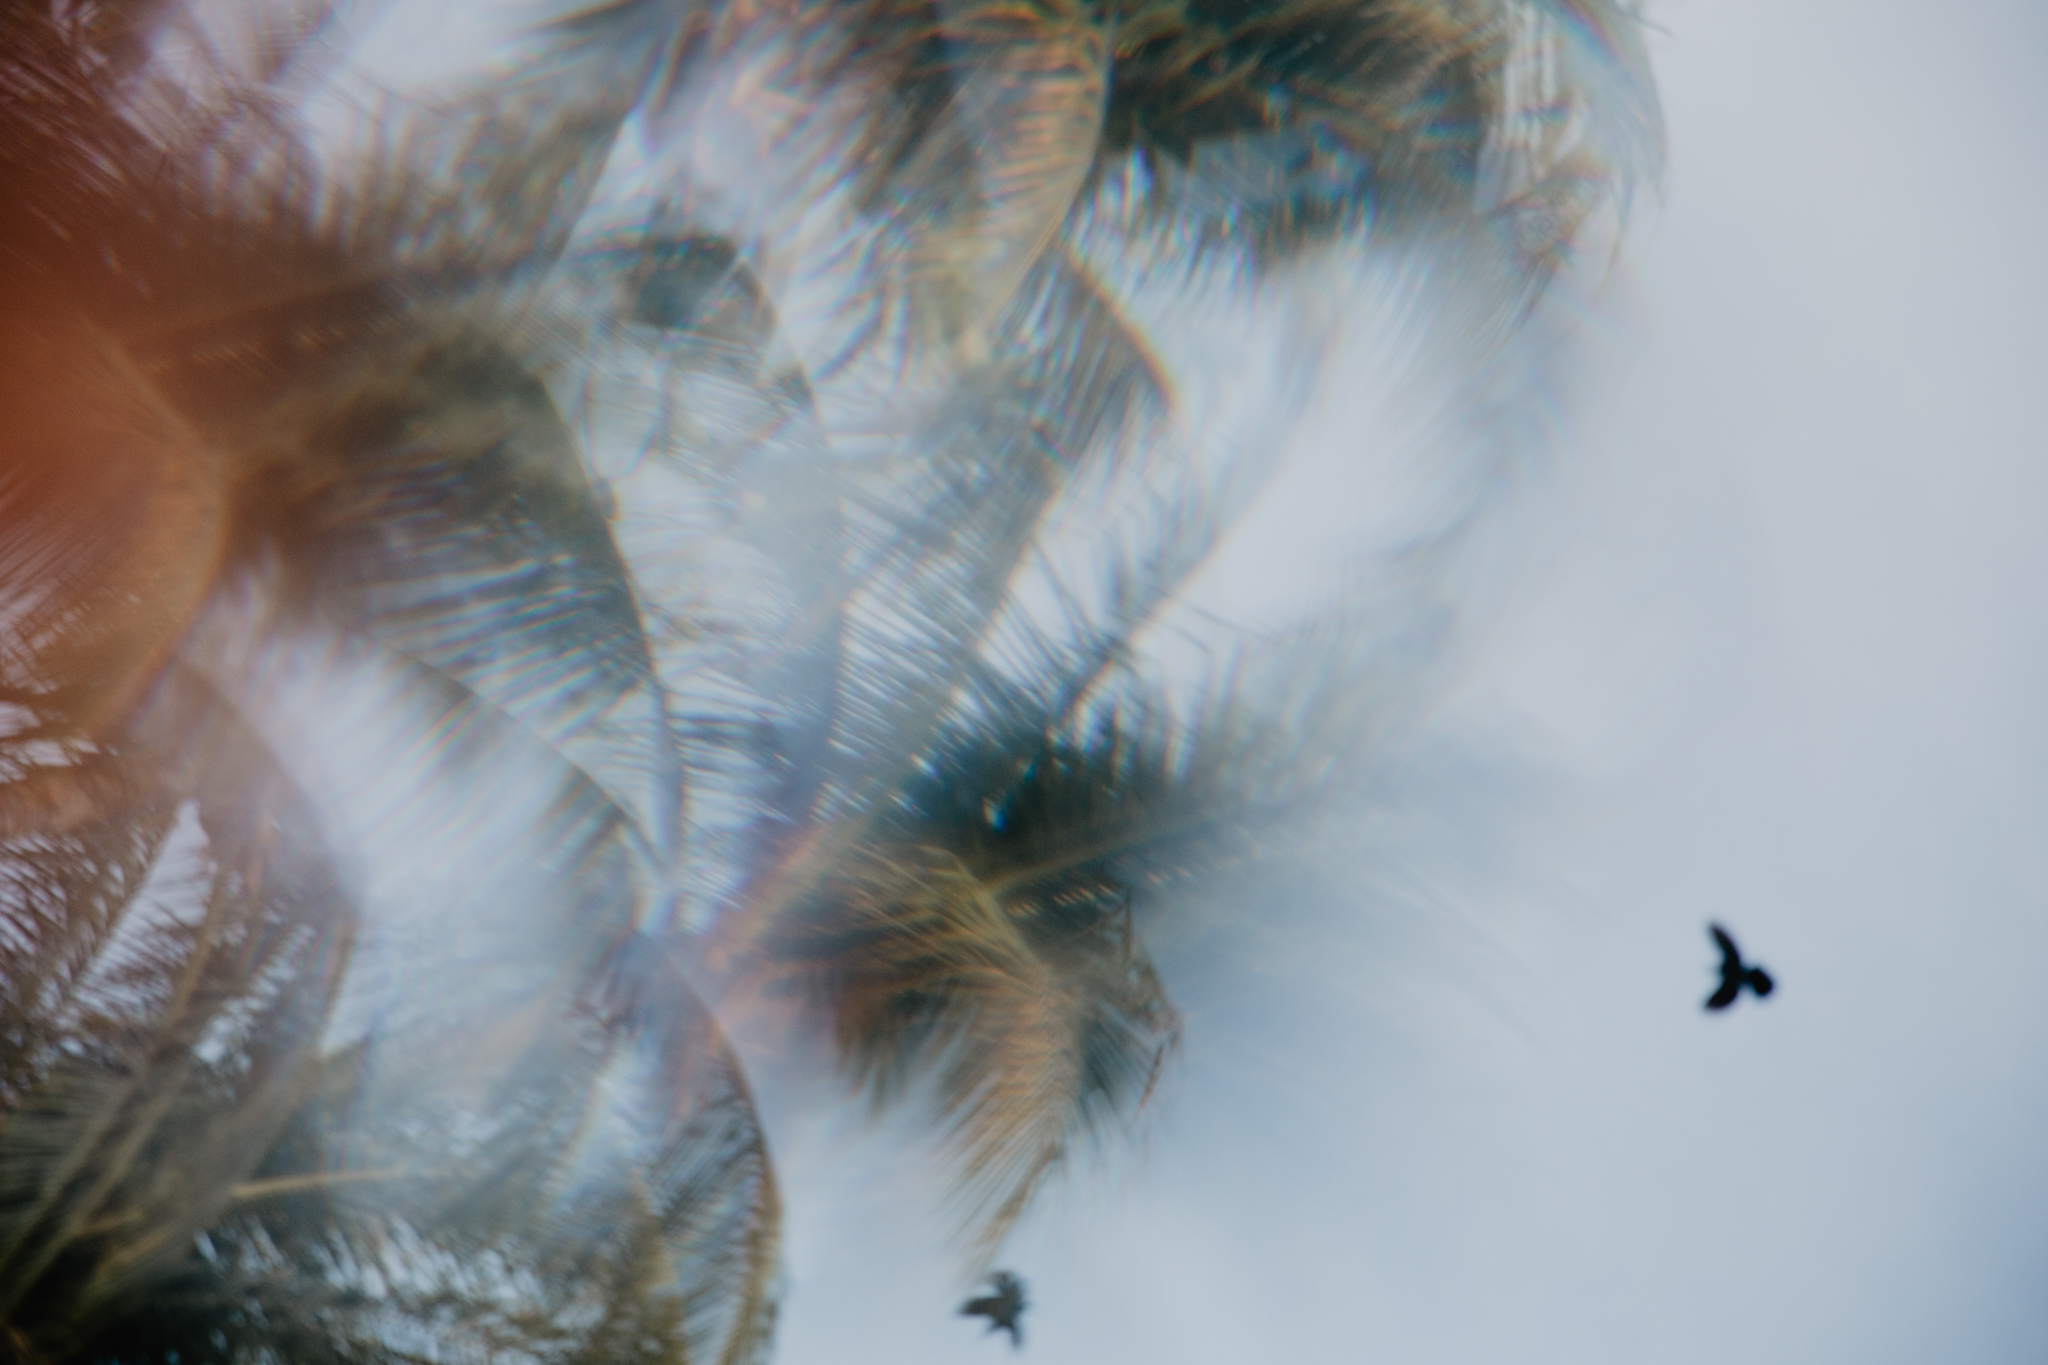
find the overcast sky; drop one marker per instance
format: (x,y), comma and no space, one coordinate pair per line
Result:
(1773,650)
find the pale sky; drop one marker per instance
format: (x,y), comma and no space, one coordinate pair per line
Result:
(1767,642)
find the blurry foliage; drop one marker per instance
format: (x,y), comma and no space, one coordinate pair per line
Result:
(560,473)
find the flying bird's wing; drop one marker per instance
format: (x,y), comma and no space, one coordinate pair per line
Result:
(1731,956)
(1731,986)
(1000,1308)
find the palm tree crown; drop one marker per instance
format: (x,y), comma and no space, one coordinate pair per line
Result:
(460,599)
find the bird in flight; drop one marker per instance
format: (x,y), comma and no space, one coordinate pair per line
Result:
(1734,975)
(1000,1308)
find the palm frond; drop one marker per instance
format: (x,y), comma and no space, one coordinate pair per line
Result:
(257,385)
(886,569)
(937,536)
(566,1084)
(1271,124)
(1037,1023)
(935,153)
(974,929)
(640,1223)
(68,880)
(464,532)
(727,504)
(112,522)
(177,1043)
(977,133)
(556,1156)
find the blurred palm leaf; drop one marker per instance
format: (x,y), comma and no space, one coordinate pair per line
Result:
(933,151)
(156,1045)
(554,1149)
(1302,114)
(976,141)
(976,926)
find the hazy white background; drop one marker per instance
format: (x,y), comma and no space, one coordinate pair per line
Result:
(1776,653)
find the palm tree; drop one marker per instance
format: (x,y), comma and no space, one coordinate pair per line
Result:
(570,509)
(958,804)
(240,428)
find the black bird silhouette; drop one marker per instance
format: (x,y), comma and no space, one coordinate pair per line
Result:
(1734,976)
(1000,1308)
